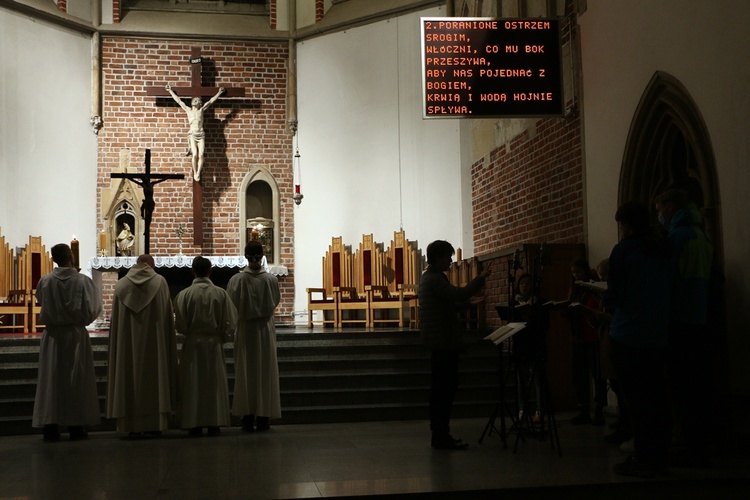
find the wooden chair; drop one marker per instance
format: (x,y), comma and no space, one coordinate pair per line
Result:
(324,299)
(383,297)
(413,302)
(402,271)
(352,294)
(33,262)
(14,304)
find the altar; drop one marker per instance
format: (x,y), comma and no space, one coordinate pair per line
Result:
(177,269)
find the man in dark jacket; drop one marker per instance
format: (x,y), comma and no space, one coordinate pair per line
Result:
(441,332)
(637,295)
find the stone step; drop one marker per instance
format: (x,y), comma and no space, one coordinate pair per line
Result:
(324,377)
(326,383)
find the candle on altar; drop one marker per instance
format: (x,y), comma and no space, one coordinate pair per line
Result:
(103,242)
(75,249)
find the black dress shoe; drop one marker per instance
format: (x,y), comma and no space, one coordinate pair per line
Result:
(262,424)
(247,423)
(195,432)
(214,431)
(77,433)
(448,443)
(51,433)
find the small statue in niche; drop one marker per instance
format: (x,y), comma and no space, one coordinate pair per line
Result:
(125,241)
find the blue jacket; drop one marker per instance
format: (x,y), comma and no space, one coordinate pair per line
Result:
(693,255)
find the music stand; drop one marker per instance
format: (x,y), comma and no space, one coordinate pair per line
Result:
(499,337)
(539,369)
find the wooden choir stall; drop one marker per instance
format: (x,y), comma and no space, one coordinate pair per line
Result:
(369,288)
(19,275)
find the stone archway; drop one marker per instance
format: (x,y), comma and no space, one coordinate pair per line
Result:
(668,145)
(259,207)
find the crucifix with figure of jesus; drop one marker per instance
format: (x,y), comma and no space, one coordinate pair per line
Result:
(147,181)
(196,138)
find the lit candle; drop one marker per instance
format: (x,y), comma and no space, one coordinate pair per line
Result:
(74,248)
(103,241)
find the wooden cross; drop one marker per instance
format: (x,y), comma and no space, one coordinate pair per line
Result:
(196,89)
(147,181)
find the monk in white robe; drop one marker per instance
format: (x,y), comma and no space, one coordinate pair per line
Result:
(255,294)
(66,391)
(206,316)
(142,381)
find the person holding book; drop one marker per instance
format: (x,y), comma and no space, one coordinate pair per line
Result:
(529,346)
(585,306)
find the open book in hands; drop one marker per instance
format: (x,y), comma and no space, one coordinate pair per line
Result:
(559,304)
(597,286)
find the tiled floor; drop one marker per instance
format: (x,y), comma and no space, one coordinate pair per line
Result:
(336,460)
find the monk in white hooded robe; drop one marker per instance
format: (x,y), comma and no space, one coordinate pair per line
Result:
(142,383)
(206,316)
(66,391)
(255,293)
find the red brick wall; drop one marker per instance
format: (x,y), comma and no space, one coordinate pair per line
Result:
(532,193)
(62,5)
(116,11)
(239,133)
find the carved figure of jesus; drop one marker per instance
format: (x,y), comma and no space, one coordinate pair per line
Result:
(196,135)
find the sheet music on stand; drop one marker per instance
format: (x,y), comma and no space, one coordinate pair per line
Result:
(596,286)
(505,332)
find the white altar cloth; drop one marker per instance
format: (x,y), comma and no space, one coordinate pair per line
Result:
(114,264)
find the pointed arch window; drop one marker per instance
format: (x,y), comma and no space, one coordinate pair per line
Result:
(668,145)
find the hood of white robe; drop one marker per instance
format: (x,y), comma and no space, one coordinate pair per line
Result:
(144,286)
(64,273)
(249,270)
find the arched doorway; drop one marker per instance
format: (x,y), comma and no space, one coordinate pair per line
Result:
(668,145)
(259,212)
